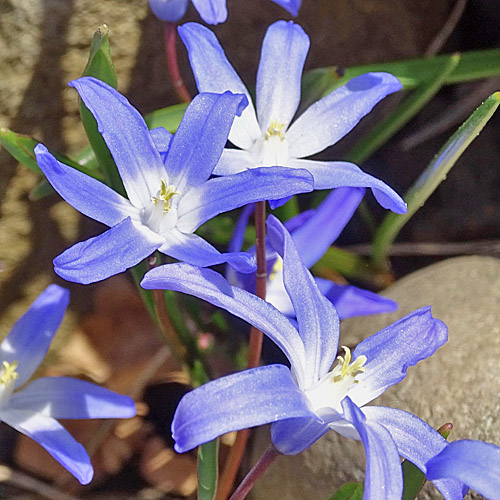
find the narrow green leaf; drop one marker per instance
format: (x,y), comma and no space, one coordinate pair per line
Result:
(349,491)
(396,120)
(168,118)
(21,147)
(208,470)
(100,66)
(412,73)
(432,176)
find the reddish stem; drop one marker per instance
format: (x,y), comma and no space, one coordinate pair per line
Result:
(255,348)
(173,68)
(258,469)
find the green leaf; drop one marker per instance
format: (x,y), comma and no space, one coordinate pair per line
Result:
(412,73)
(432,176)
(413,477)
(349,491)
(168,118)
(396,120)
(100,66)
(208,470)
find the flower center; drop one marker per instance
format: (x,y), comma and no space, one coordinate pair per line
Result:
(333,387)
(161,214)
(8,375)
(271,149)
(165,195)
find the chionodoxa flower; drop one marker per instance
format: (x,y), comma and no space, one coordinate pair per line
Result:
(32,409)
(308,399)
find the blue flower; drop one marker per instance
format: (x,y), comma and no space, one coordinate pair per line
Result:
(211,11)
(269,137)
(33,410)
(312,232)
(307,400)
(475,463)
(167,182)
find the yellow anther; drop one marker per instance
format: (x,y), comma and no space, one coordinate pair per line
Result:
(347,369)
(8,372)
(278,266)
(276,128)
(165,194)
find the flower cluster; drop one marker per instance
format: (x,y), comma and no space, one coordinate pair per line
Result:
(176,183)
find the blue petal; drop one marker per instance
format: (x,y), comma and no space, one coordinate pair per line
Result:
(416,441)
(50,434)
(234,161)
(162,139)
(314,236)
(335,174)
(214,73)
(318,321)
(168,10)
(127,138)
(239,401)
(295,435)
(201,137)
(383,477)
(279,76)
(64,397)
(227,193)
(334,116)
(31,335)
(238,237)
(391,351)
(211,11)
(351,301)
(291,6)
(194,250)
(212,287)
(475,463)
(89,196)
(110,253)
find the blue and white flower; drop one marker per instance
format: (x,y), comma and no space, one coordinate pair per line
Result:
(211,11)
(167,182)
(270,136)
(308,399)
(32,409)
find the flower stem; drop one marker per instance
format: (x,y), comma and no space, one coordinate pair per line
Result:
(173,68)
(255,348)
(255,473)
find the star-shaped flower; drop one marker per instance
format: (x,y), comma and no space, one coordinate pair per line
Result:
(33,410)
(211,11)
(167,182)
(312,232)
(305,401)
(270,136)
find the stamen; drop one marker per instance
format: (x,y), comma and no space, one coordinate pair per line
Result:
(347,369)
(165,194)
(8,372)
(277,267)
(276,128)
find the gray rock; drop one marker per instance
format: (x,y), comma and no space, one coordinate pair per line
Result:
(459,384)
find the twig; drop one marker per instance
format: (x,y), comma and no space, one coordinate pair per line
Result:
(447,29)
(25,482)
(483,247)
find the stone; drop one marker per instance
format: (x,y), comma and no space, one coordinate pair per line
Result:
(460,383)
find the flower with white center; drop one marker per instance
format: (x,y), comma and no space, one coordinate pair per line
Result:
(32,409)
(308,399)
(167,183)
(211,11)
(312,232)
(271,136)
